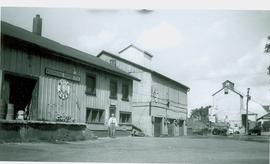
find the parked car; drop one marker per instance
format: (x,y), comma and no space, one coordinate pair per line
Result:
(256,130)
(230,131)
(219,131)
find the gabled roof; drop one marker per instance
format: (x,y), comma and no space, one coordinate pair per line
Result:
(141,67)
(229,89)
(61,50)
(228,81)
(267,108)
(145,52)
(264,116)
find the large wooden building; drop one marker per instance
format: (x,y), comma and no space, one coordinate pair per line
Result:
(159,103)
(53,82)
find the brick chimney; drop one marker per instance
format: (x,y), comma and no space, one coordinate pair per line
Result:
(37,25)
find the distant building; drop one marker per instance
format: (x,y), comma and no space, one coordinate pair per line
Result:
(228,106)
(265,119)
(159,103)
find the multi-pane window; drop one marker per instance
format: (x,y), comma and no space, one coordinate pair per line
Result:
(125,91)
(125,117)
(90,84)
(113,89)
(95,115)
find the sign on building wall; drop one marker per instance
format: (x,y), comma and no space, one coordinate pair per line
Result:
(63,89)
(155,96)
(63,75)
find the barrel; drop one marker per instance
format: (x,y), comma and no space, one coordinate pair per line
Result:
(2,109)
(10,112)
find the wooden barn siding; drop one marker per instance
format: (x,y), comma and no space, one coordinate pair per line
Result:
(172,92)
(20,61)
(33,63)
(78,101)
(168,90)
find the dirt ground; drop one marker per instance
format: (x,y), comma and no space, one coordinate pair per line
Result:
(142,149)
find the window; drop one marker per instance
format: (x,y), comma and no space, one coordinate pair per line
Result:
(90,84)
(95,115)
(112,110)
(125,92)
(125,117)
(113,62)
(113,89)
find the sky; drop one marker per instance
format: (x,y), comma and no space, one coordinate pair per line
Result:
(199,48)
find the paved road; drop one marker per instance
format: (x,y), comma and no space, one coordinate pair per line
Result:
(132,149)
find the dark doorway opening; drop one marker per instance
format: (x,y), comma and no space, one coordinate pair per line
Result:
(157,126)
(171,127)
(181,127)
(19,91)
(112,110)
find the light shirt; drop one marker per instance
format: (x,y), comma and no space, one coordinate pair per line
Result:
(112,120)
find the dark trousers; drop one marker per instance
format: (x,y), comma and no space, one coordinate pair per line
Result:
(112,130)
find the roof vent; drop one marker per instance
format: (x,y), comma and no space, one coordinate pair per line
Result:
(37,25)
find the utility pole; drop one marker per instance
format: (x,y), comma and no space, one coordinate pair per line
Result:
(248,98)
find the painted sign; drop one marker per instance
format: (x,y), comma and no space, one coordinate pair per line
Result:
(63,75)
(63,89)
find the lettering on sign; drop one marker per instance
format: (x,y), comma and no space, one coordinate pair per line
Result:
(63,75)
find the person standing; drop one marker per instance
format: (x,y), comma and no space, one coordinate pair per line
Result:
(112,123)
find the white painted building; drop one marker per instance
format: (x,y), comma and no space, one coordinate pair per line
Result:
(228,106)
(159,103)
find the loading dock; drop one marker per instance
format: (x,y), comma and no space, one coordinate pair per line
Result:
(19,91)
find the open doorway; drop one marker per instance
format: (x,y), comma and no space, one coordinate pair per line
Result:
(19,92)
(181,127)
(157,126)
(171,127)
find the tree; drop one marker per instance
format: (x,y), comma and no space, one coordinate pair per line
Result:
(267,50)
(201,114)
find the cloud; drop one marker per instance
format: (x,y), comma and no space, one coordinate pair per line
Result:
(217,29)
(161,36)
(104,37)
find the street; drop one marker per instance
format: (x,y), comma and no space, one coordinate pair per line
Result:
(146,149)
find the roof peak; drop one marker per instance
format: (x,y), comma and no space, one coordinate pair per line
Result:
(63,50)
(132,45)
(141,67)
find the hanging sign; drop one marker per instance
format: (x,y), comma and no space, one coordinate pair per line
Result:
(63,89)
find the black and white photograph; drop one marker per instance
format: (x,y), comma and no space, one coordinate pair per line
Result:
(134,85)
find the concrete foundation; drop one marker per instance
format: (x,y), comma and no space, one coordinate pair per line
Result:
(27,131)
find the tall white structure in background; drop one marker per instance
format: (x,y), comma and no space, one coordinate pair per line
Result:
(228,106)
(136,55)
